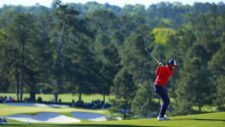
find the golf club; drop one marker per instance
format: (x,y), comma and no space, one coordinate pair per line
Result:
(148,51)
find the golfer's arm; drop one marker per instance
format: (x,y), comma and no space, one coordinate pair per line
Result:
(158,70)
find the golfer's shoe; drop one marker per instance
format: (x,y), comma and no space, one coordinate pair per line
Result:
(166,117)
(162,118)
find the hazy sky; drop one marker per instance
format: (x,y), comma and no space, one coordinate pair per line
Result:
(120,3)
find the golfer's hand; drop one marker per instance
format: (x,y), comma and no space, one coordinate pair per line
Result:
(160,64)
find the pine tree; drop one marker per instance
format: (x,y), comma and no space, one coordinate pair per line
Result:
(133,56)
(124,90)
(194,87)
(22,33)
(218,69)
(143,103)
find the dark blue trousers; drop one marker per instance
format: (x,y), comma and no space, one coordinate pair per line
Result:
(161,91)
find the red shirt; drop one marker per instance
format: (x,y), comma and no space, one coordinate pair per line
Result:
(163,74)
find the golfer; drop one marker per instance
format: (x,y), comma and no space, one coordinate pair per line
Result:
(163,73)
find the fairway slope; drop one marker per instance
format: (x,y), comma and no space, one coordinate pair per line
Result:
(216,119)
(200,120)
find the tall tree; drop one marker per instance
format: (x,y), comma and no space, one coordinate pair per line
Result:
(143,104)
(133,57)
(38,57)
(103,21)
(21,32)
(65,16)
(194,83)
(124,90)
(110,65)
(7,54)
(216,66)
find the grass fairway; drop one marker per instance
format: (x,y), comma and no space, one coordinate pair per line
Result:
(200,120)
(10,110)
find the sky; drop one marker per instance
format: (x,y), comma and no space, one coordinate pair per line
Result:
(120,3)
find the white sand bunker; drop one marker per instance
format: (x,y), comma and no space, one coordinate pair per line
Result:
(43,118)
(92,116)
(37,105)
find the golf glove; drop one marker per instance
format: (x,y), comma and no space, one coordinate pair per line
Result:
(160,63)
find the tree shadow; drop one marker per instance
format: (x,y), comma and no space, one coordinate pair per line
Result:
(75,125)
(211,119)
(223,120)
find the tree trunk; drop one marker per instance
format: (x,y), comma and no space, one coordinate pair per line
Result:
(17,79)
(55,97)
(199,108)
(104,97)
(125,110)
(32,97)
(22,74)
(33,88)
(58,76)
(80,95)
(17,84)
(125,113)
(58,68)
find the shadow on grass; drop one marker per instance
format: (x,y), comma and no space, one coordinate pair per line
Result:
(200,119)
(74,125)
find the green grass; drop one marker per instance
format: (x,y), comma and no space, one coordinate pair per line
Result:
(9,110)
(201,120)
(206,108)
(64,97)
(67,98)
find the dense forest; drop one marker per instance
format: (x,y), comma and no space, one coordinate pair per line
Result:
(99,48)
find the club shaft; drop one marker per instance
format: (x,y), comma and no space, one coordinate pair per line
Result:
(152,55)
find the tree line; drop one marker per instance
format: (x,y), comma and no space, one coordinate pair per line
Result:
(95,48)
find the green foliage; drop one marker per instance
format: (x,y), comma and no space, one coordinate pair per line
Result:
(216,66)
(194,83)
(220,96)
(164,23)
(123,83)
(218,59)
(102,41)
(83,48)
(124,90)
(133,56)
(143,103)
(162,34)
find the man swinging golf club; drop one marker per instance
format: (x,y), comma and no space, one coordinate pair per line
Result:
(163,73)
